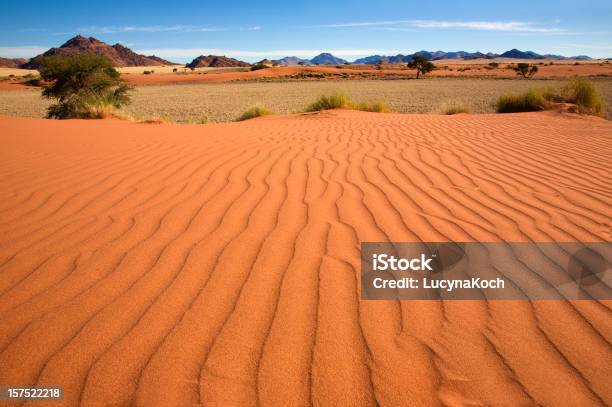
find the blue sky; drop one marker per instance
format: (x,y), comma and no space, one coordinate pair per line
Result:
(251,30)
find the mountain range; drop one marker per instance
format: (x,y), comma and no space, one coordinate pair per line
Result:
(215,61)
(123,56)
(118,54)
(437,55)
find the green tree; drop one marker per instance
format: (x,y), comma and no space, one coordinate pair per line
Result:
(526,70)
(85,86)
(421,65)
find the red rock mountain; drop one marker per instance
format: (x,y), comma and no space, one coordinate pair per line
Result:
(215,61)
(118,54)
(12,62)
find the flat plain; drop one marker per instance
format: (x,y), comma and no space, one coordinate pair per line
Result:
(222,102)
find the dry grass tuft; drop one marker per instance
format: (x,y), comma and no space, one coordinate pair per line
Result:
(254,112)
(454,107)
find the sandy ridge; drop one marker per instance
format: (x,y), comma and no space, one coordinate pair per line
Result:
(165,265)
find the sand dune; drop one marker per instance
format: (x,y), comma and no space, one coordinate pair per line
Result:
(219,264)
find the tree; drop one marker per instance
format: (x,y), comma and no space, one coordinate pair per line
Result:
(85,86)
(421,65)
(526,70)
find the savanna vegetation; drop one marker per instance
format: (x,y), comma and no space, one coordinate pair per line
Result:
(580,93)
(83,86)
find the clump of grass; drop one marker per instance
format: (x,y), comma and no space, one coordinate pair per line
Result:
(376,107)
(334,101)
(454,108)
(253,112)
(531,101)
(339,100)
(582,93)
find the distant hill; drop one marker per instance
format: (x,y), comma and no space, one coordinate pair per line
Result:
(515,53)
(118,54)
(437,55)
(372,59)
(215,61)
(327,59)
(12,62)
(292,61)
(267,62)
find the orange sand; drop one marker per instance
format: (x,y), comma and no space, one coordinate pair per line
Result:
(10,85)
(219,264)
(475,71)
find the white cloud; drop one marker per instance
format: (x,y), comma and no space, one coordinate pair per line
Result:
(405,25)
(484,25)
(147,29)
(23,51)
(589,46)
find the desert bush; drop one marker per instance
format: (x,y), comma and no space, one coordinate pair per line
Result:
(421,64)
(376,107)
(334,101)
(339,100)
(531,101)
(253,112)
(493,64)
(147,72)
(526,70)
(174,69)
(582,93)
(257,67)
(85,86)
(450,108)
(200,120)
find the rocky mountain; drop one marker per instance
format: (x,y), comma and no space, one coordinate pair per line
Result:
(437,55)
(293,61)
(327,59)
(118,54)
(372,59)
(267,62)
(515,53)
(12,62)
(215,61)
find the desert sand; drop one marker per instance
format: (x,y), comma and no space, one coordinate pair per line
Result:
(219,264)
(467,70)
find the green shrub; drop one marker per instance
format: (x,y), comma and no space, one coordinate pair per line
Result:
(531,101)
(85,86)
(335,101)
(253,112)
(257,67)
(421,64)
(526,70)
(582,92)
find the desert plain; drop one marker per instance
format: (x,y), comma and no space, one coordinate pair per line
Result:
(218,264)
